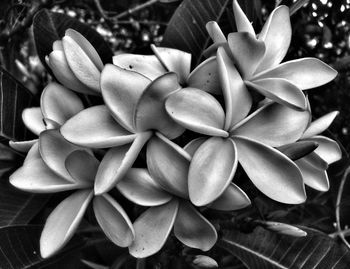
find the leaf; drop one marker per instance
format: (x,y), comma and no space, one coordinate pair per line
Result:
(50,26)
(263,249)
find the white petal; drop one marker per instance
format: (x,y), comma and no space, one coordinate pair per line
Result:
(82,166)
(113,220)
(242,22)
(320,125)
(215,32)
(192,146)
(271,172)
(22,146)
(327,149)
(192,229)
(33,120)
(313,177)
(95,127)
(62,223)
(152,229)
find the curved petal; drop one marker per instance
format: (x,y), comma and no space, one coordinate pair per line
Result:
(168,165)
(192,146)
(62,223)
(116,163)
(305,73)
(242,22)
(81,65)
(277,34)
(313,177)
(192,229)
(59,104)
(94,127)
(299,149)
(139,187)
(147,65)
(197,110)
(150,111)
(233,198)
(327,149)
(320,125)
(58,63)
(281,91)
(120,95)
(57,45)
(247,52)
(54,150)
(238,100)
(215,32)
(35,176)
(211,170)
(33,120)
(175,61)
(271,172)
(274,125)
(113,220)
(205,76)
(152,229)
(82,166)
(22,146)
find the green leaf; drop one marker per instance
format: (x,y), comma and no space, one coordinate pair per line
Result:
(264,249)
(50,26)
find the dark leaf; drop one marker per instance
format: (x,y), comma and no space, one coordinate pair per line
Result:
(264,249)
(50,26)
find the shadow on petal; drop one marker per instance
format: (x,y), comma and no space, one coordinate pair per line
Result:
(82,166)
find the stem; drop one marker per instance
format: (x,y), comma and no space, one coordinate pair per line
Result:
(135,9)
(141,264)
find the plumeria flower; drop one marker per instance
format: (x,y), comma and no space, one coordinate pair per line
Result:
(75,63)
(164,188)
(204,76)
(134,108)
(44,171)
(57,104)
(236,137)
(258,58)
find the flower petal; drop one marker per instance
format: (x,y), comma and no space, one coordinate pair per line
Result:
(174,60)
(313,177)
(197,110)
(152,229)
(305,73)
(192,146)
(120,95)
(271,172)
(205,76)
(247,52)
(327,149)
(320,125)
(82,166)
(64,74)
(113,220)
(284,229)
(192,229)
(215,32)
(211,170)
(62,223)
(116,163)
(277,34)
(168,165)
(59,104)
(274,125)
(299,149)
(233,198)
(147,65)
(82,66)
(22,146)
(139,187)
(238,100)
(35,176)
(54,150)
(94,127)
(33,120)
(150,111)
(280,91)
(242,22)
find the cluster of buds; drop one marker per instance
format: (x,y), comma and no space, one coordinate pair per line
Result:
(148,101)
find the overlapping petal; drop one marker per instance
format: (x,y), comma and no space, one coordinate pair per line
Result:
(33,119)
(22,146)
(327,149)
(242,22)
(320,125)
(82,166)
(299,149)
(313,176)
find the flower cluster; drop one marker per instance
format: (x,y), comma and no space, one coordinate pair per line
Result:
(148,101)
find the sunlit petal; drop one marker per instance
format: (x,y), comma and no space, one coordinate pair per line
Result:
(152,229)
(95,127)
(305,73)
(272,173)
(197,110)
(82,166)
(62,223)
(139,187)
(215,32)
(22,146)
(327,149)
(116,163)
(313,177)
(113,220)
(120,95)
(212,168)
(192,229)
(242,22)
(320,125)
(33,120)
